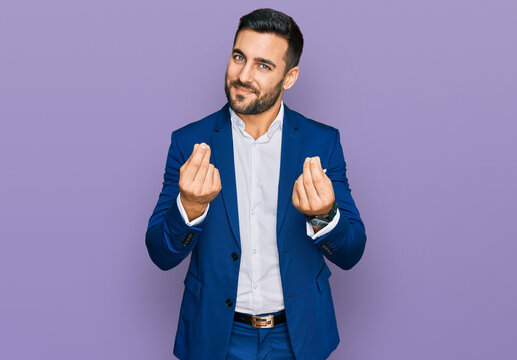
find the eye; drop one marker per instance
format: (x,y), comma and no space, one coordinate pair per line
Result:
(265,67)
(238,57)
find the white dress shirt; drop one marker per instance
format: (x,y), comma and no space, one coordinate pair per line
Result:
(257,170)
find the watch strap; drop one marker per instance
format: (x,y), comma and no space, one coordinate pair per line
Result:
(322,220)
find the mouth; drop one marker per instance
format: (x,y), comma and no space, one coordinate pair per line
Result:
(243,91)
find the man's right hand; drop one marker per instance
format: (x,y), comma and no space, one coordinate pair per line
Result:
(199,182)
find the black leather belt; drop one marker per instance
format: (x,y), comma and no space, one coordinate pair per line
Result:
(263,321)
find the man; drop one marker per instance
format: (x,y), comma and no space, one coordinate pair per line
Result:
(258,195)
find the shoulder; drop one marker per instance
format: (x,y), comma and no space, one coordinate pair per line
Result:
(204,125)
(311,127)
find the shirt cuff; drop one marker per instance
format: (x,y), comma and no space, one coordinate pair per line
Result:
(184,213)
(327,228)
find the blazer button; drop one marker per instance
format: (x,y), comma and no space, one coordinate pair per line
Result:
(228,303)
(326,248)
(235,256)
(187,239)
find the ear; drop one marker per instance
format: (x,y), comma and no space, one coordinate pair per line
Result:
(290,77)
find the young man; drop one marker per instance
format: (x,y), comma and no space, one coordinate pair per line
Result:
(258,194)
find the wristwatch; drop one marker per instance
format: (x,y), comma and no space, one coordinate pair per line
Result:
(322,220)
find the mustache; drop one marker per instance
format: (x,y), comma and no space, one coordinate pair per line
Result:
(242,85)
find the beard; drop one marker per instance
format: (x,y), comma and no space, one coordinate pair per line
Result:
(257,106)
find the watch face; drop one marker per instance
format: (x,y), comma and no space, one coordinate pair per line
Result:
(318,222)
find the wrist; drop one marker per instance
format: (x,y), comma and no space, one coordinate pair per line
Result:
(320,221)
(192,208)
(317,228)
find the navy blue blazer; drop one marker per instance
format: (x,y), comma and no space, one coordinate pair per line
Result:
(209,297)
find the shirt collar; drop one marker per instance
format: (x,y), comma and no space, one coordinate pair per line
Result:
(276,124)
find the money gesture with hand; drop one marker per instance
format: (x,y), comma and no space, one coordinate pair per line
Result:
(199,181)
(313,193)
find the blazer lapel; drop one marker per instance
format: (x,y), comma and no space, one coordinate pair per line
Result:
(222,143)
(289,165)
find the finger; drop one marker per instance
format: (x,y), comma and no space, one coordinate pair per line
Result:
(196,146)
(209,178)
(199,179)
(184,167)
(319,163)
(310,190)
(193,163)
(217,179)
(302,195)
(296,197)
(326,183)
(323,171)
(317,176)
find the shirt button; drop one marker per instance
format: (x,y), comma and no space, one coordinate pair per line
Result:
(228,303)
(253,213)
(254,145)
(234,256)
(254,251)
(254,178)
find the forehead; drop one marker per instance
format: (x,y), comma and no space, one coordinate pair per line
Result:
(263,45)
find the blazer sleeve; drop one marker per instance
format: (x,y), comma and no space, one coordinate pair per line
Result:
(344,244)
(169,239)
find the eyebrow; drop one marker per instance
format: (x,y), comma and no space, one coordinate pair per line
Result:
(259,59)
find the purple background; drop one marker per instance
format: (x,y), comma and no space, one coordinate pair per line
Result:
(425,97)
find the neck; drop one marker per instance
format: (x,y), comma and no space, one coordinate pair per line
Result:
(257,125)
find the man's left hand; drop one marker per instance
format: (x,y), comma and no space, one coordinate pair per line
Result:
(313,193)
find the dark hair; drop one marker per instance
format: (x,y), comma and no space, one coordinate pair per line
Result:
(276,22)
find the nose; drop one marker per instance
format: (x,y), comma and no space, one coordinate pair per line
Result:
(246,76)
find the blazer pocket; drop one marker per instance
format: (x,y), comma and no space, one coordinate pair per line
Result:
(192,284)
(322,280)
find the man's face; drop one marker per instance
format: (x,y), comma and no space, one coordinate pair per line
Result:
(255,73)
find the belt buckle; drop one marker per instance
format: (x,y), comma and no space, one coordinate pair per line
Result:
(263,322)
